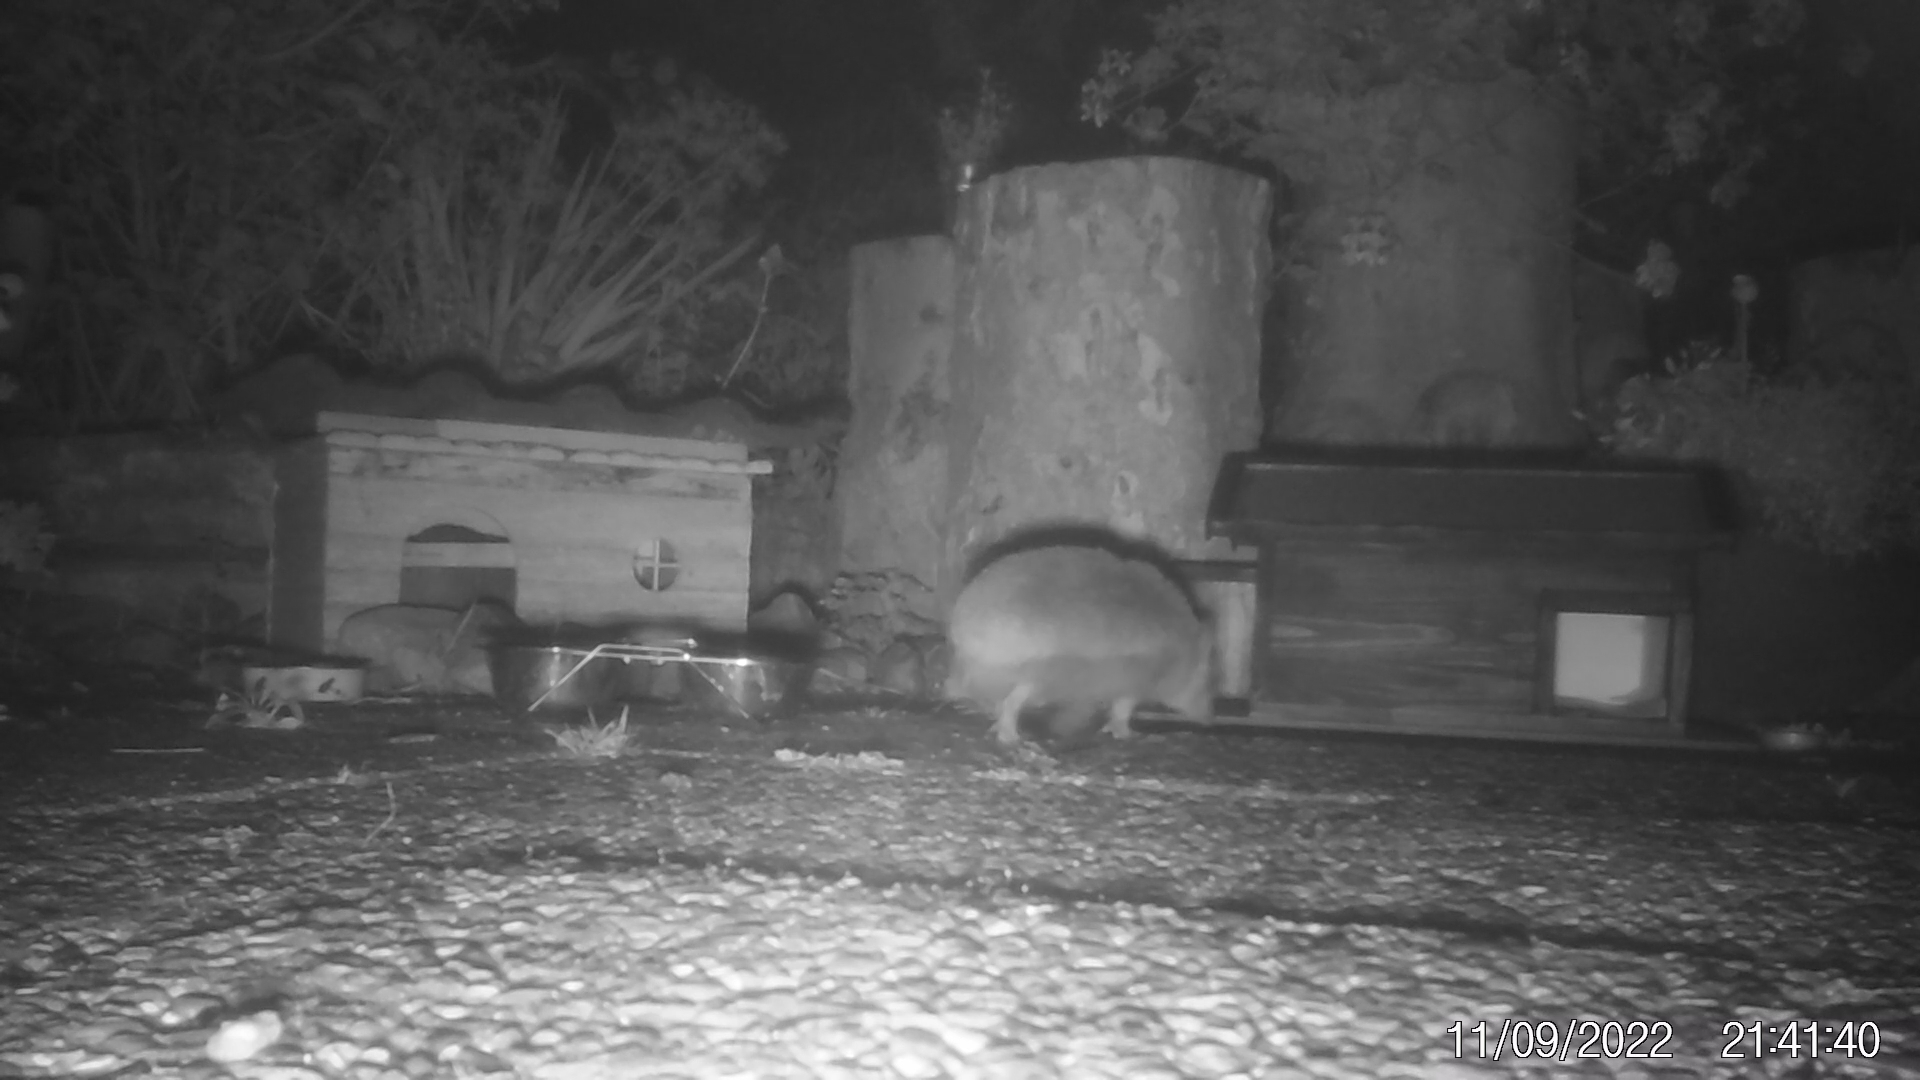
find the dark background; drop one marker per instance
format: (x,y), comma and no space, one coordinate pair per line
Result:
(854,84)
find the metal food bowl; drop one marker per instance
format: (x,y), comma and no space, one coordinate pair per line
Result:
(342,681)
(1793,740)
(524,674)
(753,686)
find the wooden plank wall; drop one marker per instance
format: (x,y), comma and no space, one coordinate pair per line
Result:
(1428,625)
(532,435)
(525,474)
(295,616)
(574,530)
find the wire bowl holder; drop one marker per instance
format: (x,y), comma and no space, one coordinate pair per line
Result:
(714,668)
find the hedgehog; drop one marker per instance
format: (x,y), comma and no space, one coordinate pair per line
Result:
(1079,627)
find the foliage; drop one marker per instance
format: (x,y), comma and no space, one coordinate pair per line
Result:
(1834,465)
(488,243)
(259,707)
(1673,93)
(856,176)
(229,176)
(969,139)
(24,542)
(797,351)
(191,148)
(772,265)
(592,740)
(867,173)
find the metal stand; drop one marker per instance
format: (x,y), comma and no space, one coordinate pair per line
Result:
(655,655)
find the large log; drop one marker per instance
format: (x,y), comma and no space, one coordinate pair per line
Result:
(1436,306)
(1106,349)
(891,492)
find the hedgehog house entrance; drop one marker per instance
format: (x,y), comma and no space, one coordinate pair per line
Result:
(453,566)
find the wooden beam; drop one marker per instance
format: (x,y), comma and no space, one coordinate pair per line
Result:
(1450,723)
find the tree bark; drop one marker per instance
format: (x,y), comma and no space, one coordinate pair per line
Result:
(891,492)
(1106,349)
(1435,302)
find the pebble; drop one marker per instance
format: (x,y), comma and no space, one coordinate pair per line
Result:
(913,1066)
(189,1009)
(473,1061)
(239,1040)
(656,971)
(336,1056)
(1204,1057)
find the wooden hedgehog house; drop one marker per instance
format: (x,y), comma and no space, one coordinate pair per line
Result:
(1515,598)
(563,526)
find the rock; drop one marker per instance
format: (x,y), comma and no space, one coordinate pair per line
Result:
(238,1040)
(425,649)
(936,659)
(842,668)
(901,669)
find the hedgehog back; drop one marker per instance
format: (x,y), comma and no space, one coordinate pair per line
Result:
(1071,602)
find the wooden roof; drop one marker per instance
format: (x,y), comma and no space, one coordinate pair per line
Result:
(1263,495)
(475,438)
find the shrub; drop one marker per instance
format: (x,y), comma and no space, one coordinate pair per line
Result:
(1833,465)
(24,543)
(487,242)
(192,151)
(228,176)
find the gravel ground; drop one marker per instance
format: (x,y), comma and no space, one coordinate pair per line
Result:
(404,892)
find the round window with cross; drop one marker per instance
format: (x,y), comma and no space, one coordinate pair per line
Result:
(655,565)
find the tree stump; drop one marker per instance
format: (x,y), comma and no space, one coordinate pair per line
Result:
(891,491)
(1106,349)
(1436,306)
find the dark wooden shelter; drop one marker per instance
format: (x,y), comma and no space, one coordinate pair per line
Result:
(1539,597)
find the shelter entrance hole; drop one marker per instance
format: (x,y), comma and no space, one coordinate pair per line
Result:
(451,566)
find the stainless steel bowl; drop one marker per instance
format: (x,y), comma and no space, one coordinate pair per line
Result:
(523,673)
(754,686)
(1793,740)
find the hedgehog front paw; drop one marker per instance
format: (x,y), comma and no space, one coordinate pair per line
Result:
(1006,727)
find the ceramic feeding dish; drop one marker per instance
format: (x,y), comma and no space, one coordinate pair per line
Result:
(1793,740)
(306,682)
